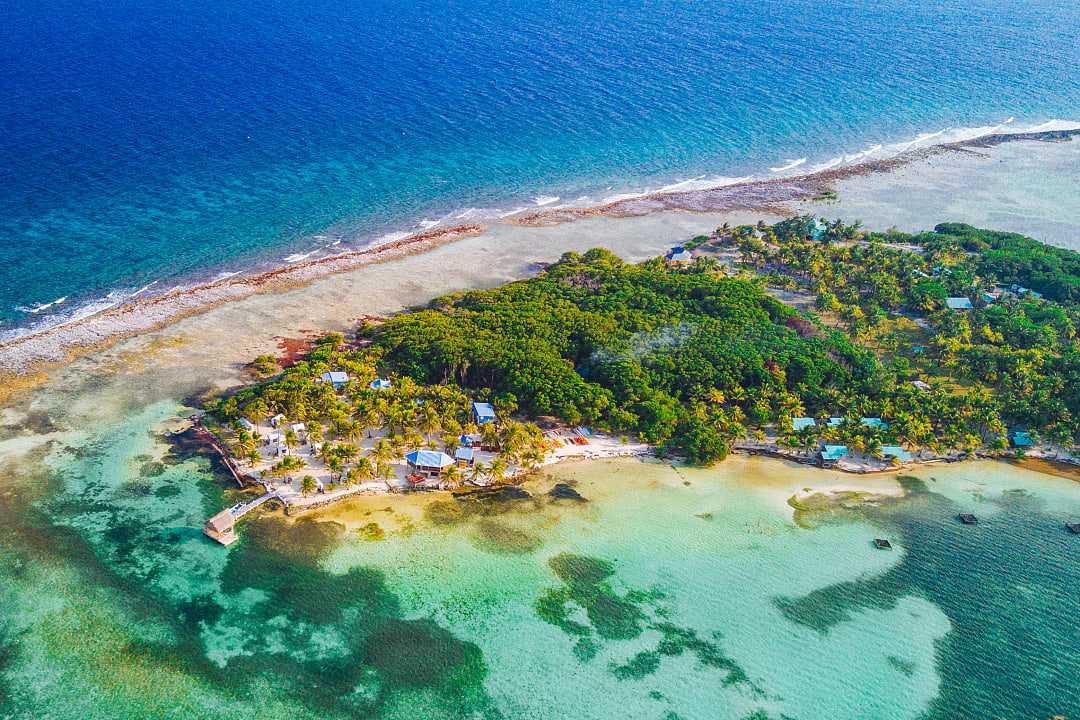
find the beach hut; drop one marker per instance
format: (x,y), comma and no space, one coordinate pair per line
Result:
(469,440)
(831,454)
(300,429)
(465,456)
(428,462)
(679,256)
(958,303)
(380,384)
(895,451)
(336,378)
(1021,438)
(277,420)
(801,423)
(246,424)
(874,423)
(221,528)
(274,438)
(483,413)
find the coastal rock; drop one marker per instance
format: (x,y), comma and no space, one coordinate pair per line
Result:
(562,491)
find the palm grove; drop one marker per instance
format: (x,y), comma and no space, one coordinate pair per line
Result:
(695,358)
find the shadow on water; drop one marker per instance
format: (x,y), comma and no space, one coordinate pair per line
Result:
(1007,585)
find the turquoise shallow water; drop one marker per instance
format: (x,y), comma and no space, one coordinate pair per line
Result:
(145,145)
(671,593)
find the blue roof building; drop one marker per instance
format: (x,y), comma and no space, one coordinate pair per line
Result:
(429,461)
(1021,438)
(465,455)
(335,378)
(875,423)
(679,255)
(897,452)
(800,423)
(834,452)
(483,413)
(958,303)
(380,384)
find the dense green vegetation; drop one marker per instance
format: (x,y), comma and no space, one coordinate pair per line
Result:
(697,357)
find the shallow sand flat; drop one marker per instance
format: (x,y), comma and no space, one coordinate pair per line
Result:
(1026,187)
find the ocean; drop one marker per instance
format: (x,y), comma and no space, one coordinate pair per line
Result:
(145,146)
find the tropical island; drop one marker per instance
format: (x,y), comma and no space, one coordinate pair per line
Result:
(816,341)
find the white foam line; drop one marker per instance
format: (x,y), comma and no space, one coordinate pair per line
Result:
(791,164)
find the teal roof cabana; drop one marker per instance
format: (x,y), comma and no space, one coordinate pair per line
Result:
(958,303)
(1021,438)
(801,423)
(897,452)
(834,452)
(874,423)
(483,413)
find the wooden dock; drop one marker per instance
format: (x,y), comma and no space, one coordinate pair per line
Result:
(222,527)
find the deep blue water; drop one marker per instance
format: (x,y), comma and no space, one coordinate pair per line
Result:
(159,140)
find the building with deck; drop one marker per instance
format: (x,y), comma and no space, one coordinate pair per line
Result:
(336,378)
(483,413)
(679,256)
(222,528)
(429,463)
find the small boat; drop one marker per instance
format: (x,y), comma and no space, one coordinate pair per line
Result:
(968,519)
(1074,528)
(882,544)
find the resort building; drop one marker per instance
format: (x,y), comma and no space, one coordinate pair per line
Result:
(472,441)
(221,527)
(679,256)
(801,423)
(336,378)
(895,451)
(380,384)
(874,423)
(246,424)
(429,463)
(1021,438)
(277,420)
(465,456)
(830,454)
(958,303)
(483,413)
(300,429)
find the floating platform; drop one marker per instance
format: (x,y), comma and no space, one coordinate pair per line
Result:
(968,519)
(882,544)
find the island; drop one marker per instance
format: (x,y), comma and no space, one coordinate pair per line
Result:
(813,340)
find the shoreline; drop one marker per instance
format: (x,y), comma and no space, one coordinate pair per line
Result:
(26,355)
(771,194)
(57,345)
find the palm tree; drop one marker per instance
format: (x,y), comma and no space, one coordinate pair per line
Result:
(478,472)
(497,470)
(383,452)
(362,471)
(453,476)
(307,485)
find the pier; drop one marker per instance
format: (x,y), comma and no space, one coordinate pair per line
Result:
(222,527)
